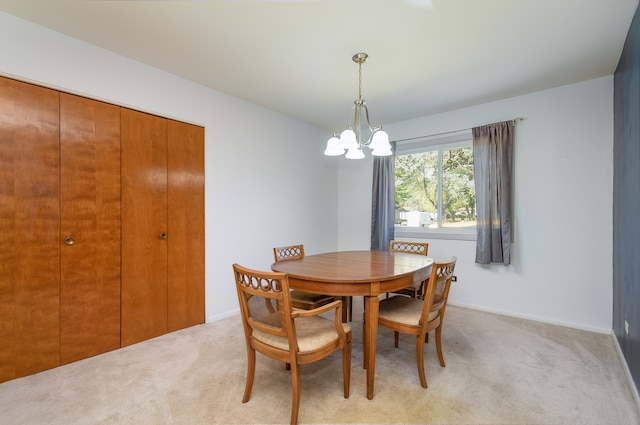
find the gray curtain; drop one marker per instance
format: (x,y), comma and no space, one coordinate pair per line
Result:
(383,201)
(492,153)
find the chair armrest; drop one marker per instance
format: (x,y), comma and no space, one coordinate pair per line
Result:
(337,305)
(319,310)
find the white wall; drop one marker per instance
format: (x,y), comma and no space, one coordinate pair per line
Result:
(561,268)
(266,181)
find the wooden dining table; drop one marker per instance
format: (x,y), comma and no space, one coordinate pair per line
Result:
(358,273)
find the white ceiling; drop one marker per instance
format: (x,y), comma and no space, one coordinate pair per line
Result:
(425,56)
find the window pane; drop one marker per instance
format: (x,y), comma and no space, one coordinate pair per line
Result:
(423,201)
(417,189)
(458,191)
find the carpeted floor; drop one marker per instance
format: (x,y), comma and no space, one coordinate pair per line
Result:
(500,370)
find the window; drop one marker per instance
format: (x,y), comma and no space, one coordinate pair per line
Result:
(435,192)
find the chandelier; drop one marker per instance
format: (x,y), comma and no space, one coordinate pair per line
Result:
(358,134)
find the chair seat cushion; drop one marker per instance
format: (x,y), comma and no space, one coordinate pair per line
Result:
(313,332)
(411,290)
(404,310)
(308,301)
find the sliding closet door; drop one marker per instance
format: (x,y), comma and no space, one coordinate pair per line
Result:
(90,230)
(29,229)
(186,224)
(144,226)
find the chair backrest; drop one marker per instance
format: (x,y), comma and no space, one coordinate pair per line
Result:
(292,252)
(265,303)
(409,247)
(437,290)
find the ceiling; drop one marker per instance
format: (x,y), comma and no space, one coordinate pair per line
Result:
(294,56)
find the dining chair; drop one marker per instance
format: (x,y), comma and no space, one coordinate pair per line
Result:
(307,300)
(419,248)
(418,317)
(275,329)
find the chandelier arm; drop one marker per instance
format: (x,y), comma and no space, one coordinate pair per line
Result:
(351,138)
(371,129)
(352,120)
(356,124)
(366,110)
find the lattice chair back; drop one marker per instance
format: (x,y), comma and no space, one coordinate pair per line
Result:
(292,252)
(419,248)
(265,303)
(438,286)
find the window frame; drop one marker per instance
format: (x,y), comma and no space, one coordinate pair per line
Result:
(451,140)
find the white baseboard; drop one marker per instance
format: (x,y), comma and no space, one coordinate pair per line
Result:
(224,315)
(534,318)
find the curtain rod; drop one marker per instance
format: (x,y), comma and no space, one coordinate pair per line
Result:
(514,121)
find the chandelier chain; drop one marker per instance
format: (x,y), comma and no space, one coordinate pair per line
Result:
(359,80)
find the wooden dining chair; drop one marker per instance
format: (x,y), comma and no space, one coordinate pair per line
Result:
(419,248)
(307,300)
(275,329)
(418,317)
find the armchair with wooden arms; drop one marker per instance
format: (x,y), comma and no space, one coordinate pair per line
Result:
(273,328)
(420,316)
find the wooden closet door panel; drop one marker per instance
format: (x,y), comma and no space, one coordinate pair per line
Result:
(90,207)
(186,224)
(29,229)
(144,219)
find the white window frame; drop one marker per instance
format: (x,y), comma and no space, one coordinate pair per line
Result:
(451,140)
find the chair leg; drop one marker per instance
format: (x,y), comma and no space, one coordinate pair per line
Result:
(346,366)
(396,336)
(439,344)
(251,371)
(295,393)
(420,360)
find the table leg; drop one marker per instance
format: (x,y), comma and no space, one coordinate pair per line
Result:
(365,335)
(370,340)
(347,309)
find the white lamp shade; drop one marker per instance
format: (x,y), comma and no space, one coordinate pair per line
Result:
(380,140)
(381,152)
(333,147)
(354,153)
(348,139)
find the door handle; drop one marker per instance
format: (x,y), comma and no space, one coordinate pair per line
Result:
(163,236)
(69,240)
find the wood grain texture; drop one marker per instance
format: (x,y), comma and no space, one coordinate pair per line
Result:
(144,218)
(90,206)
(29,229)
(355,269)
(72,167)
(185,143)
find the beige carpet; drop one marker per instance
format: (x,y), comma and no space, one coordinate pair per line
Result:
(500,370)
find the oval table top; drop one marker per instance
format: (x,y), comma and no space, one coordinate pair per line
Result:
(354,266)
